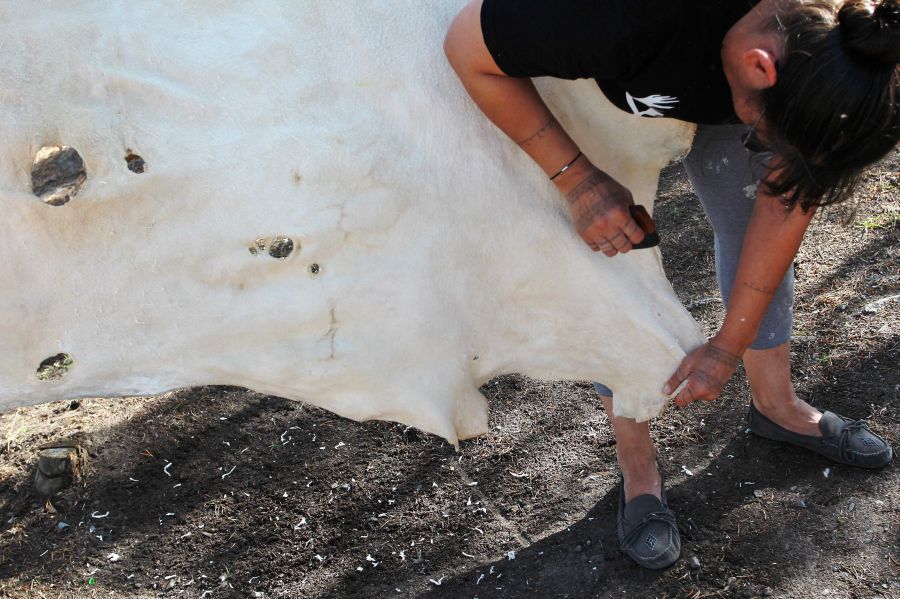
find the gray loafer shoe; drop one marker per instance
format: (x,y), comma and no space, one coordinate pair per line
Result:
(843,440)
(648,531)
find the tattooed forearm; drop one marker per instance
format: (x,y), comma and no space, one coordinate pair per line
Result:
(540,134)
(720,355)
(760,288)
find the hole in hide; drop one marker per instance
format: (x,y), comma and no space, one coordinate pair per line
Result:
(314,269)
(57,174)
(135,163)
(258,246)
(55,367)
(281,247)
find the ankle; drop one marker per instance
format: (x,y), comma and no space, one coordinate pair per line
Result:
(788,404)
(796,416)
(641,476)
(636,459)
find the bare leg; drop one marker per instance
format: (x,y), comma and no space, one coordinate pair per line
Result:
(769,373)
(636,454)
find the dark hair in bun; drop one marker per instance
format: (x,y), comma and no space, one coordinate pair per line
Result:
(871,33)
(835,107)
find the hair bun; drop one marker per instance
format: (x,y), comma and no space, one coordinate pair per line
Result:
(871,30)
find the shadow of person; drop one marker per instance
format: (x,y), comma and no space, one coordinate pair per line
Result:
(755,507)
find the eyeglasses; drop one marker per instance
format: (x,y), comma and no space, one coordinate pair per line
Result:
(751,141)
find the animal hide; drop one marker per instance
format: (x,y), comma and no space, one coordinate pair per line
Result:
(418,252)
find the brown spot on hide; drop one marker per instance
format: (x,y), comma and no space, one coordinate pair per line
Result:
(258,246)
(135,163)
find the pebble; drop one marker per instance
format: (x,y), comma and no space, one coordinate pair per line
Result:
(58,468)
(851,506)
(797,503)
(694,563)
(758,494)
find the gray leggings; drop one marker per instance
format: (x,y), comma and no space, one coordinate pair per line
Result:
(725,176)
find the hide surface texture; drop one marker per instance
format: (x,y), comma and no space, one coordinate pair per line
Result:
(428,253)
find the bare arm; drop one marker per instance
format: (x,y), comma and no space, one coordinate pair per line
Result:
(598,204)
(772,240)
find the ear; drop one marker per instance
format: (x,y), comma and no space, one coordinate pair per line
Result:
(760,68)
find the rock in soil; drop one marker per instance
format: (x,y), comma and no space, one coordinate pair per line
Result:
(60,464)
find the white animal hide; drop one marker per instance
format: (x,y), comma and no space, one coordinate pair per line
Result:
(444,255)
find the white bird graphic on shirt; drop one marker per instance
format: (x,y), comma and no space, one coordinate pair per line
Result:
(654,104)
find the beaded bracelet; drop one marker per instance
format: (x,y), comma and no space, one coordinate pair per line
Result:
(566,167)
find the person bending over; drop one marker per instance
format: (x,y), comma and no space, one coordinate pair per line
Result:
(792,98)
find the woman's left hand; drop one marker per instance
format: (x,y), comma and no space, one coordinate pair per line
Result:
(706,370)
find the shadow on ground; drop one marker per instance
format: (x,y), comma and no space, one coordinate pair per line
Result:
(220,492)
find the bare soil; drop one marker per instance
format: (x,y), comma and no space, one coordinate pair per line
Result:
(221,492)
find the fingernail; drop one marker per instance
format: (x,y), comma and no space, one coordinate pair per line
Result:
(667,389)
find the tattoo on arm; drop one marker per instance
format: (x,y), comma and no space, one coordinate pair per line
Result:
(586,186)
(540,134)
(720,355)
(759,288)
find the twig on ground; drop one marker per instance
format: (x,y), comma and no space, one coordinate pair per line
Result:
(703,302)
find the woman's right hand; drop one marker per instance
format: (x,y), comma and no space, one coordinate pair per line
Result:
(599,206)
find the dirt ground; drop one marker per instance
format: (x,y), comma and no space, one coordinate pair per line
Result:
(221,492)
